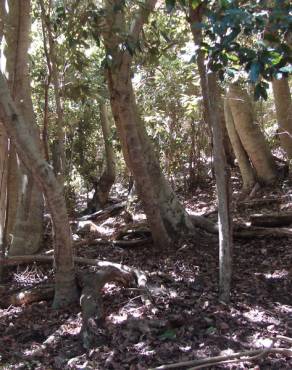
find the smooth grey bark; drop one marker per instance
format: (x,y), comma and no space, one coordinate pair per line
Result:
(222,174)
(25,200)
(283,103)
(28,149)
(246,170)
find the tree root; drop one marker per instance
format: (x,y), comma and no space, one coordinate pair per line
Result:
(91,283)
(92,331)
(232,358)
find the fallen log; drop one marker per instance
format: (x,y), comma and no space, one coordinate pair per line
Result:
(258,202)
(271,220)
(27,296)
(261,232)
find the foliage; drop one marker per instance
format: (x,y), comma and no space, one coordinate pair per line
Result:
(250,36)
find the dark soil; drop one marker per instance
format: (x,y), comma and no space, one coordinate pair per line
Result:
(185,320)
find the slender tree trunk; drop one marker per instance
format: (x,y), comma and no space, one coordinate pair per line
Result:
(283,104)
(195,19)
(59,159)
(25,200)
(3,159)
(107,179)
(246,170)
(250,135)
(223,192)
(3,190)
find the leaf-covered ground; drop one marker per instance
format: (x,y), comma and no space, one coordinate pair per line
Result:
(183,322)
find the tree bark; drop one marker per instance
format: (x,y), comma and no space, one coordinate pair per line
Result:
(283,104)
(167,218)
(107,179)
(251,136)
(30,153)
(222,174)
(25,200)
(59,159)
(3,159)
(246,170)
(195,19)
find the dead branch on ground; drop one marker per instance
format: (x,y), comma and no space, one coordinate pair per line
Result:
(234,357)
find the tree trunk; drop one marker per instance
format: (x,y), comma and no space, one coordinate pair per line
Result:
(283,104)
(59,160)
(195,19)
(25,200)
(18,120)
(167,218)
(3,160)
(107,179)
(246,170)
(250,135)
(3,188)
(223,192)
(30,153)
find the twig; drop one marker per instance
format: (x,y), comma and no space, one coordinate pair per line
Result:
(235,357)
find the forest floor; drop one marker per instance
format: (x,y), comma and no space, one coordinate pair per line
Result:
(183,322)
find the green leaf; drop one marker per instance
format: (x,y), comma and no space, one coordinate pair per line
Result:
(168,334)
(254,72)
(170,4)
(286,69)
(195,3)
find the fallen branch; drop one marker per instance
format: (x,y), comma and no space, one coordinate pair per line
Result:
(91,241)
(241,231)
(104,213)
(27,296)
(271,220)
(218,360)
(258,202)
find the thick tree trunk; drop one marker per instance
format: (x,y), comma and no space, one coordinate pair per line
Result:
(250,135)
(223,192)
(283,104)
(25,200)
(167,218)
(107,179)
(246,170)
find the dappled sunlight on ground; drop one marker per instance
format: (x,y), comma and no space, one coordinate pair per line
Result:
(184,321)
